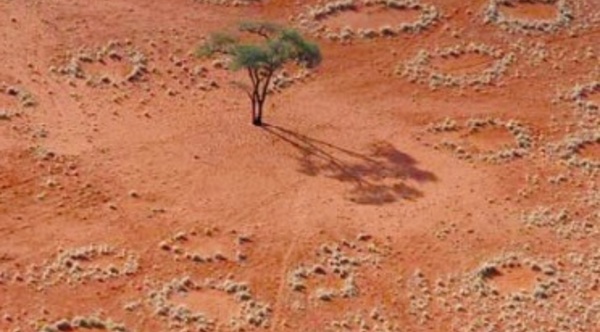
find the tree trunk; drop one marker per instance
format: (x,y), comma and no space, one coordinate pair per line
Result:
(256,112)
(253,110)
(257,119)
(261,93)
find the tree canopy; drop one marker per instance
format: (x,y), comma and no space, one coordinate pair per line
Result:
(275,47)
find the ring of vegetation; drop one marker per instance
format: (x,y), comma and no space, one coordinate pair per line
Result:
(113,52)
(510,289)
(523,140)
(80,323)
(176,246)
(24,97)
(581,94)
(341,261)
(251,313)
(570,150)
(494,15)
(76,265)
(314,19)
(419,69)
(564,222)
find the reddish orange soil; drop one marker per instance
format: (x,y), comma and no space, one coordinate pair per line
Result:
(345,160)
(531,10)
(464,64)
(372,18)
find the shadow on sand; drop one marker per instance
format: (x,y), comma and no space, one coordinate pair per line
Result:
(378,177)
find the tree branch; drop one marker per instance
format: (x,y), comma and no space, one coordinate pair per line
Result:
(265,87)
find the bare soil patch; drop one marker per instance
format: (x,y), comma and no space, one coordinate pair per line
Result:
(371,17)
(524,10)
(437,172)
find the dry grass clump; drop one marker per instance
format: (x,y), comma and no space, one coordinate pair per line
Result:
(493,14)
(574,218)
(25,98)
(80,323)
(189,74)
(114,51)
(570,150)
(6,115)
(315,18)
(580,94)
(523,140)
(419,69)
(582,97)
(77,265)
(557,293)
(251,313)
(176,245)
(563,222)
(446,125)
(233,3)
(284,79)
(373,321)
(419,297)
(338,261)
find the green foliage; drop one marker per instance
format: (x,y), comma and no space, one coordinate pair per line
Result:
(280,46)
(262,58)
(304,51)
(287,46)
(261,28)
(218,42)
(250,56)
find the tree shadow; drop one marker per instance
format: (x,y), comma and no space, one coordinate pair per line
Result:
(377,177)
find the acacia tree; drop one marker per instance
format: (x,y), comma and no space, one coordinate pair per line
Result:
(261,58)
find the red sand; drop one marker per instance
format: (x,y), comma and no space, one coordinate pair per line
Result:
(344,156)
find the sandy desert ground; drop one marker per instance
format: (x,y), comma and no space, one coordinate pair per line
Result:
(438,172)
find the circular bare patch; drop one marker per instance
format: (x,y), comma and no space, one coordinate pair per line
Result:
(344,20)
(208,246)
(113,64)
(185,303)
(505,14)
(508,290)
(462,65)
(94,262)
(581,150)
(490,140)
(333,275)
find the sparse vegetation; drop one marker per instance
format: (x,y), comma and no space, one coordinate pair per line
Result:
(74,266)
(113,52)
(314,20)
(555,289)
(419,69)
(523,139)
(184,245)
(24,97)
(569,150)
(251,313)
(493,14)
(338,261)
(81,323)
(459,193)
